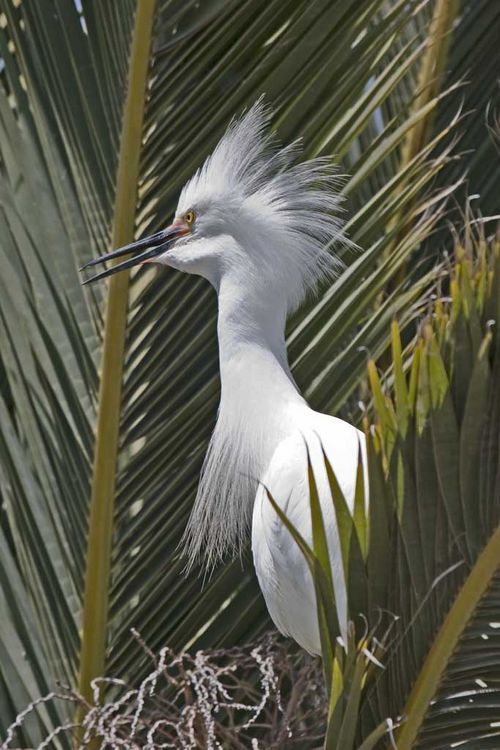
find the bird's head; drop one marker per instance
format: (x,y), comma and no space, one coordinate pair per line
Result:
(250,212)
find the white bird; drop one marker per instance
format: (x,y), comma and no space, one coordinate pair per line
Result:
(260,227)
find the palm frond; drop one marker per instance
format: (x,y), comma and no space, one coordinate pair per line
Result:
(335,75)
(427,549)
(440,452)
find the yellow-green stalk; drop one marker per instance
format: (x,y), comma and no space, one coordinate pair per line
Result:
(97,579)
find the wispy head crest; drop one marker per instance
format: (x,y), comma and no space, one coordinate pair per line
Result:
(298,202)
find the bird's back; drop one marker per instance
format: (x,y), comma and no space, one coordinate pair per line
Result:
(283,574)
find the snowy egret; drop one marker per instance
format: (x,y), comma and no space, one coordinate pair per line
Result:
(260,227)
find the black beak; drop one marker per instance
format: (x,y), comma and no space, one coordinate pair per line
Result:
(151,246)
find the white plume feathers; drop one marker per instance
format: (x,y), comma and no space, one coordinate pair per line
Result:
(296,205)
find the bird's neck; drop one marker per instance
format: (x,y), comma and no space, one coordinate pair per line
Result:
(259,407)
(253,361)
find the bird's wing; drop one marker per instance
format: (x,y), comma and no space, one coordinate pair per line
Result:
(281,568)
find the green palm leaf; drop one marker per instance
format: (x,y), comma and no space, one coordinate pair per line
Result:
(444,554)
(334,74)
(433,551)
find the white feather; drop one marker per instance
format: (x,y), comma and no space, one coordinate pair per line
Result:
(284,215)
(265,235)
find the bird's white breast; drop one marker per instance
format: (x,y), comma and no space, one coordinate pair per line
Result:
(281,569)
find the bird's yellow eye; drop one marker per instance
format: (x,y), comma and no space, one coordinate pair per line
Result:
(189,217)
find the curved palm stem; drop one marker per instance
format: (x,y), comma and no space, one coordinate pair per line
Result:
(95,606)
(431,75)
(428,86)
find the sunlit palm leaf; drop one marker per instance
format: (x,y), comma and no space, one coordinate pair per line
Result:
(328,70)
(443,560)
(433,545)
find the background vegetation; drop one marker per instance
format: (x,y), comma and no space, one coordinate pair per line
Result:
(105,110)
